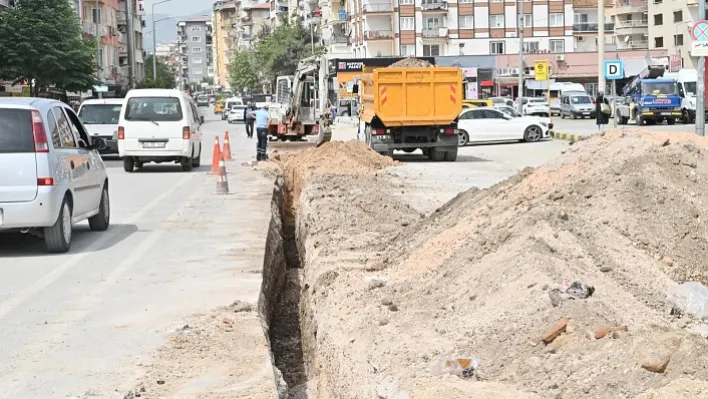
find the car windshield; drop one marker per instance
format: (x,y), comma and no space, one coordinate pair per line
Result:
(510,111)
(656,89)
(689,88)
(100,114)
(580,100)
(16,131)
(155,109)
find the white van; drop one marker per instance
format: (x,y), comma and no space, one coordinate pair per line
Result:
(686,79)
(159,125)
(100,117)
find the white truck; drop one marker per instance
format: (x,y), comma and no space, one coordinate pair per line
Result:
(686,80)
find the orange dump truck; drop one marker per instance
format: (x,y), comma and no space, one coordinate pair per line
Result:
(411,108)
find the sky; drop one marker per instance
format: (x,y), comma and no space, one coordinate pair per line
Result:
(178,8)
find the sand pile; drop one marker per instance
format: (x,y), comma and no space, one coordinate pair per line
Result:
(488,276)
(335,157)
(411,62)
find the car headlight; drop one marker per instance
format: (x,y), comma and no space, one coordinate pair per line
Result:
(677,109)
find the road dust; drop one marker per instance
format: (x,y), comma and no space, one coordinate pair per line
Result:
(550,284)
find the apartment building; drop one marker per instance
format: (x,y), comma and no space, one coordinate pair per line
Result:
(138,49)
(224,35)
(250,19)
(334,27)
(586,25)
(100,20)
(196,48)
(669,25)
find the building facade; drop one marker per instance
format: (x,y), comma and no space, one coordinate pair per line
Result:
(224,35)
(196,48)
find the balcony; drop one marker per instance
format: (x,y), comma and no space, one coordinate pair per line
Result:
(591,3)
(434,5)
(435,32)
(630,6)
(89,28)
(633,45)
(592,27)
(378,35)
(631,27)
(692,3)
(338,40)
(378,8)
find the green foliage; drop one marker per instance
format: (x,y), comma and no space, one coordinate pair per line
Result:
(42,40)
(208,80)
(165,76)
(243,75)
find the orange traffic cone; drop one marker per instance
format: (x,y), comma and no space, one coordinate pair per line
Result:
(227,147)
(215,158)
(222,182)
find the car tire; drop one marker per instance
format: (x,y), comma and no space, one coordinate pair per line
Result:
(128,164)
(562,115)
(102,219)
(197,162)
(186,164)
(57,238)
(532,134)
(462,138)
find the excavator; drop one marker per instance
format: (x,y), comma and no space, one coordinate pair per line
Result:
(299,109)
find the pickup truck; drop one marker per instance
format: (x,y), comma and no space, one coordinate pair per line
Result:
(411,108)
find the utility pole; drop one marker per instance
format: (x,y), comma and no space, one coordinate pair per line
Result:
(601,46)
(96,16)
(154,40)
(520,28)
(701,86)
(129,43)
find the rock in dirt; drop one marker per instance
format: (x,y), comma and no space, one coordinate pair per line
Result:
(580,290)
(554,332)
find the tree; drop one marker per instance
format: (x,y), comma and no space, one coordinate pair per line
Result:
(42,43)
(280,50)
(208,80)
(165,75)
(243,76)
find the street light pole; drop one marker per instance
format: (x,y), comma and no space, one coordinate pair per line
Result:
(98,49)
(520,27)
(154,40)
(601,46)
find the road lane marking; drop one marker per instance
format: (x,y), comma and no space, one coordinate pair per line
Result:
(18,299)
(57,331)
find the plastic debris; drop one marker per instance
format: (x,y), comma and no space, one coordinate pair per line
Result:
(690,298)
(461,366)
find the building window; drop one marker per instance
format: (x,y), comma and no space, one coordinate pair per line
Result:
(466,22)
(530,47)
(658,19)
(496,48)
(196,39)
(196,50)
(97,16)
(406,2)
(528,21)
(431,50)
(678,16)
(659,42)
(678,40)
(465,1)
(556,20)
(433,23)
(196,28)
(408,50)
(496,21)
(557,46)
(196,60)
(407,23)
(197,71)
(581,18)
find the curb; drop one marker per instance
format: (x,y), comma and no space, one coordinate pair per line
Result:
(568,136)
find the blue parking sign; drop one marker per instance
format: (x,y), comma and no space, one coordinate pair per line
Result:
(614,69)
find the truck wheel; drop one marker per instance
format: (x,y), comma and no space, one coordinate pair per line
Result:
(651,121)
(386,153)
(686,117)
(436,154)
(451,155)
(671,121)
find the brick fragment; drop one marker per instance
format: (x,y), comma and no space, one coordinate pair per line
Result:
(554,332)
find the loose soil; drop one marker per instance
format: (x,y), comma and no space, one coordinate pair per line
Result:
(387,292)
(411,62)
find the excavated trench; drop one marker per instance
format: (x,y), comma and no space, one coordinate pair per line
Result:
(280,297)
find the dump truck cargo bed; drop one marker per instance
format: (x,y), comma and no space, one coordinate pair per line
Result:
(412,96)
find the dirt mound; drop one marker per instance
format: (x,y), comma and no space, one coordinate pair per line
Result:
(411,62)
(491,273)
(334,157)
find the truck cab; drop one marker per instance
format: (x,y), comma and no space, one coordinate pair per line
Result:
(650,98)
(686,79)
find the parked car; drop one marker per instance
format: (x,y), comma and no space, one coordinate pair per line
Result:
(577,106)
(536,106)
(100,117)
(52,175)
(202,100)
(511,111)
(159,125)
(498,126)
(229,104)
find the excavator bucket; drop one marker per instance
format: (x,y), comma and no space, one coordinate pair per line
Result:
(325,134)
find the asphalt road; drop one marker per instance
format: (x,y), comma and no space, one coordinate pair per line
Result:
(587,126)
(78,324)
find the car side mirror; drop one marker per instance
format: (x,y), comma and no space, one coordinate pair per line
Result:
(201,120)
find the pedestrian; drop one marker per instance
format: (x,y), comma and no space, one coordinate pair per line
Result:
(333,111)
(248,119)
(262,118)
(602,111)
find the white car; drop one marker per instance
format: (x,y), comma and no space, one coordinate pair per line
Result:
(536,106)
(101,119)
(514,113)
(159,125)
(236,114)
(52,175)
(489,124)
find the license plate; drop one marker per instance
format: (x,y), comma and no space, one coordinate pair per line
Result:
(666,113)
(586,113)
(154,145)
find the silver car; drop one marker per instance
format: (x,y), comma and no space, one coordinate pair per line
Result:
(51,175)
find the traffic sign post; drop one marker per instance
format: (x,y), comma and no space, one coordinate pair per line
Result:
(542,73)
(699,48)
(614,69)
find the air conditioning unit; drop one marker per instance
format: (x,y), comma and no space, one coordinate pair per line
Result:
(513,71)
(560,57)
